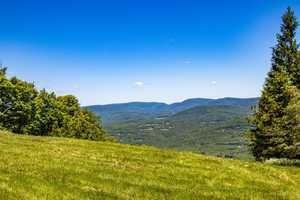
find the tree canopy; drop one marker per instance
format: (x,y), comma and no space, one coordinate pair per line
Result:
(25,110)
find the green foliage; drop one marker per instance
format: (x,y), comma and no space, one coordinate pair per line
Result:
(60,168)
(287,48)
(24,110)
(266,139)
(47,116)
(15,103)
(292,125)
(83,124)
(270,137)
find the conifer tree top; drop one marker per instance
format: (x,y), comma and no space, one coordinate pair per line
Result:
(289,25)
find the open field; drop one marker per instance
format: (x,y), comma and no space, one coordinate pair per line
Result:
(58,168)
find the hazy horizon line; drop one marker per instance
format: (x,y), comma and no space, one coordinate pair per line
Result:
(127,102)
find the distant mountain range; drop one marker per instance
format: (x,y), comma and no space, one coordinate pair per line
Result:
(210,126)
(126,112)
(209,129)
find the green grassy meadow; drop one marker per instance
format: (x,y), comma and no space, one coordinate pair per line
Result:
(59,168)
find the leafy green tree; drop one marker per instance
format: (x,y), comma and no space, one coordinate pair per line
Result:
(68,104)
(47,116)
(24,110)
(63,117)
(15,103)
(268,138)
(85,125)
(78,122)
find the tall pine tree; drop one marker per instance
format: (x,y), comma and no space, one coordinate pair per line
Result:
(267,138)
(287,47)
(291,127)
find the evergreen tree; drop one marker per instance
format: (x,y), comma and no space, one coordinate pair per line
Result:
(268,138)
(292,125)
(268,118)
(287,47)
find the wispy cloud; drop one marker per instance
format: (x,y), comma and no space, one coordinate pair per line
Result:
(139,84)
(213,82)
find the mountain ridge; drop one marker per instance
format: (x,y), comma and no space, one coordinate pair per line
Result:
(122,112)
(177,102)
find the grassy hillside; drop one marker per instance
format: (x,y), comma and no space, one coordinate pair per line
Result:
(57,168)
(214,130)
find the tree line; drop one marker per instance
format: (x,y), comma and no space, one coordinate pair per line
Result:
(276,121)
(25,110)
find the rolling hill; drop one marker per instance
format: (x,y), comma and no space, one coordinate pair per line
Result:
(210,126)
(215,130)
(126,112)
(59,168)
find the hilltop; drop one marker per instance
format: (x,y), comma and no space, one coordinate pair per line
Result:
(59,168)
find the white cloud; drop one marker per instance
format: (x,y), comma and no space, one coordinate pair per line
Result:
(139,83)
(213,82)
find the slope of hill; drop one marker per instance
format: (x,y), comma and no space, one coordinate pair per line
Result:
(228,101)
(58,168)
(126,112)
(214,130)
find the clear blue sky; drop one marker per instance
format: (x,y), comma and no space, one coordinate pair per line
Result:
(141,50)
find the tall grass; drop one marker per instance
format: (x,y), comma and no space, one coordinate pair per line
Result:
(57,168)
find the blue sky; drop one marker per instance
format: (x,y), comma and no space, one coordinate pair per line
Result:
(137,50)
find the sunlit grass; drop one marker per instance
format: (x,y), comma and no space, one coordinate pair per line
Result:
(57,168)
